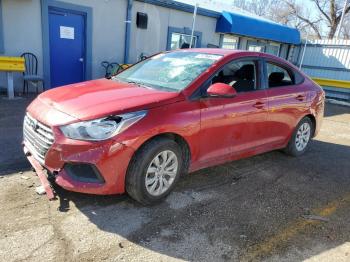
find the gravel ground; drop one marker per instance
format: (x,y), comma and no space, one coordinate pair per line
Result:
(269,207)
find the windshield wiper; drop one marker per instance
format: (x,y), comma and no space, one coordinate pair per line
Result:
(133,82)
(140,84)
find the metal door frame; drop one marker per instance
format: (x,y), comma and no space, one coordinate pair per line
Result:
(46,6)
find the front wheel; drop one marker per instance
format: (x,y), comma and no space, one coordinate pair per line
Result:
(154,171)
(300,138)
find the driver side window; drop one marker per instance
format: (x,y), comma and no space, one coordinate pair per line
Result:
(239,74)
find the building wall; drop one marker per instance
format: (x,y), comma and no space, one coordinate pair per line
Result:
(23,33)
(108,32)
(154,38)
(284,51)
(243,45)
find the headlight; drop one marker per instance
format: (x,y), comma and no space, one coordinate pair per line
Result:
(102,128)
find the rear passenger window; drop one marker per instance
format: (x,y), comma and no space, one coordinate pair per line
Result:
(278,76)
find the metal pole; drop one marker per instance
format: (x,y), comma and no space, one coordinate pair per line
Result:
(10,90)
(193,23)
(127,31)
(341,19)
(302,57)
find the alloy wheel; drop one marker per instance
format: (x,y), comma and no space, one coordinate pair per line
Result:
(303,136)
(161,172)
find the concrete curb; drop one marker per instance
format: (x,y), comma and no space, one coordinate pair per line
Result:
(338,102)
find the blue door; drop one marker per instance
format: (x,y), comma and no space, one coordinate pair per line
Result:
(67,47)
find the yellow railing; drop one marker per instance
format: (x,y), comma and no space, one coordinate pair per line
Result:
(331,82)
(12,64)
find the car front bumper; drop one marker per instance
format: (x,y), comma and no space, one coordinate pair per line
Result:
(109,160)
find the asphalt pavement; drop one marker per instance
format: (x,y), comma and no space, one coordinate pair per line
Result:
(270,207)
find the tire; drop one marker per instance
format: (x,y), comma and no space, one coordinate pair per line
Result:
(295,147)
(144,168)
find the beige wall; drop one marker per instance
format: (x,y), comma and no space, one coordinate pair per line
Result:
(154,38)
(108,32)
(22,32)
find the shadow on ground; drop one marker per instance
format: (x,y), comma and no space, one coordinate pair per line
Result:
(11,121)
(337,110)
(230,211)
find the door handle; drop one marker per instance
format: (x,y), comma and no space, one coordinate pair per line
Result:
(259,105)
(81,59)
(300,97)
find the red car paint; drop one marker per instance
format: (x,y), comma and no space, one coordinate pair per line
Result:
(216,129)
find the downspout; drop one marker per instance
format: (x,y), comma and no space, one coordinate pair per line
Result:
(221,40)
(127,31)
(2,48)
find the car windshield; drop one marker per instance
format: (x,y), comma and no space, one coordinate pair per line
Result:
(172,71)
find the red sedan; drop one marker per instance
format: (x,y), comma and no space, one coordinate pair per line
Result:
(171,114)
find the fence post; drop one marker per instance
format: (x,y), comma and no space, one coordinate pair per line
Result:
(302,57)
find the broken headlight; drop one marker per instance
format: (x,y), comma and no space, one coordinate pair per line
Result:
(102,128)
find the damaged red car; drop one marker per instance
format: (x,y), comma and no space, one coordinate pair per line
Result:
(171,114)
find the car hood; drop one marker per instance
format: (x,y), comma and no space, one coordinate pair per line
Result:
(97,98)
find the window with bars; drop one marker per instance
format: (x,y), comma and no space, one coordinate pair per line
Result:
(273,49)
(182,41)
(256,46)
(229,42)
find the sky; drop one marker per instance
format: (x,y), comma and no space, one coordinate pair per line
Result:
(219,5)
(216,5)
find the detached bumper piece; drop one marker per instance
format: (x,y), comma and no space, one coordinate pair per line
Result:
(41,174)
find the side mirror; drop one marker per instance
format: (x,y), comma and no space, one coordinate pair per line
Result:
(221,90)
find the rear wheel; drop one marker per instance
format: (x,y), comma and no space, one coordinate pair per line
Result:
(154,171)
(300,139)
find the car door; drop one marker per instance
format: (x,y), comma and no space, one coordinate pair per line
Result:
(233,125)
(287,100)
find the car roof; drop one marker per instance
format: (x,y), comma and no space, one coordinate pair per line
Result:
(215,51)
(237,53)
(226,52)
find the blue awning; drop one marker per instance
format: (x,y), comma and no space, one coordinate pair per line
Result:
(257,27)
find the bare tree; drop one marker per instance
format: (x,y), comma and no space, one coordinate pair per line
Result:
(303,19)
(259,7)
(329,13)
(345,30)
(322,21)
(286,12)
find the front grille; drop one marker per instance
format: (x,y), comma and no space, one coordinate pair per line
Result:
(38,137)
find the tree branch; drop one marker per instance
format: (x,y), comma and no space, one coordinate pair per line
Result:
(333,13)
(294,10)
(311,24)
(317,2)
